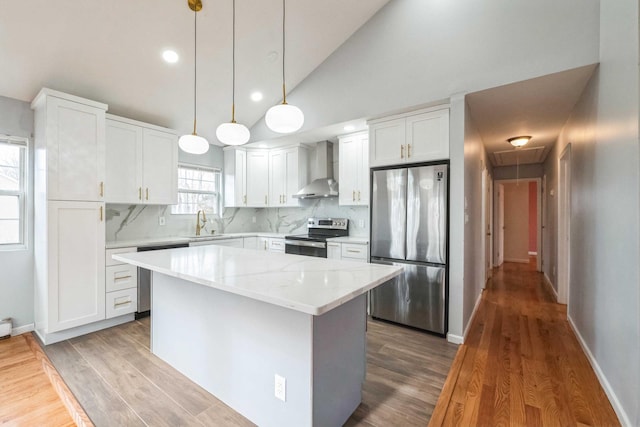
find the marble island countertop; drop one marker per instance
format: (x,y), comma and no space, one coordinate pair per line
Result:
(306,284)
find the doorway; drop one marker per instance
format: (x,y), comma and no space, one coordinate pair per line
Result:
(564,225)
(518,224)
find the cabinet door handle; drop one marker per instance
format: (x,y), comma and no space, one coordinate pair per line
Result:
(101,214)
(353,196)
(121,303)
(358,195)
(353,251)
(122,278)
(244,199)
(265,200)
(402,151)
(139,193)
(147,195)
(101,188)
(265,245)
(408,150)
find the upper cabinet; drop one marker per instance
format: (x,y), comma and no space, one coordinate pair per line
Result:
(288,173)
(354,169)
(142,162)
(235,177)
(257,176)
(419,136)
(73,134)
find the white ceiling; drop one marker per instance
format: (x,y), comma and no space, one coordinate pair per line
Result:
(110,51)
(538,107)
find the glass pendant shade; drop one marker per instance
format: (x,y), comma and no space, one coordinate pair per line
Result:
(518,141)
(233,134)
(284,118)
(193,144)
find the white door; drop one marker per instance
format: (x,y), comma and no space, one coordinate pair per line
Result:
(257,179)
(349,150)
(428,136)
(387,143)
(160,163)
(564,225)
(277,178)
(75,151)
(500,230)
(263,244)
(489,228)
(76,264)
(123,163)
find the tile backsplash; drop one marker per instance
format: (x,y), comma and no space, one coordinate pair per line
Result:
(125,222)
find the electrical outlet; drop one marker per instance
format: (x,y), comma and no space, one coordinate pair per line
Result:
(280,388)
(161,220)
(253,219)
(361,223)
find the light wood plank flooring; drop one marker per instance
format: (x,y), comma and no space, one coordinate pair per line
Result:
(521,364)
(27,397)
(118,382)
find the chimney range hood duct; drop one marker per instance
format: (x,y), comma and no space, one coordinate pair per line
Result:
(325,186)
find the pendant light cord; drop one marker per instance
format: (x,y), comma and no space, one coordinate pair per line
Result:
(284,91)
(195,68)
(233,67)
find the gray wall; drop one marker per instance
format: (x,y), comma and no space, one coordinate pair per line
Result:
(16,280)
(550,217)
(604,294)
(522,171)
(407,56)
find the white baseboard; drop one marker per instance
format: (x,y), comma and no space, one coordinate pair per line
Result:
(617,407)
(455,339)
(550,286)
(522,261)
(22,329)
(533,253)
(473,315)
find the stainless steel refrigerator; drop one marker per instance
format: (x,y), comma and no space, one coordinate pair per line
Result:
(409,228)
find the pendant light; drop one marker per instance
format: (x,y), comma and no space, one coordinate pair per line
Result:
(192,143)
(233,133)
(284,118)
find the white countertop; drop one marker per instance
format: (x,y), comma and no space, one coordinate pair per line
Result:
(170,240)
(350,239)
(306,284)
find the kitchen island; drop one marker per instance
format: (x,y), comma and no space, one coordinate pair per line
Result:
(232,320)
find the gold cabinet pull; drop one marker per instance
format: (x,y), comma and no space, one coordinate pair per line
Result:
(101,188)
(101,214)
(402,151)
(244,199)
(121,303)
(265,245)
(408,150)
(353,196)
(353,251)
(139,193)
(147,195)
(358,195)
(122,278)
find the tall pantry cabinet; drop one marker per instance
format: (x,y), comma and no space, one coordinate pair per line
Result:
(69,242)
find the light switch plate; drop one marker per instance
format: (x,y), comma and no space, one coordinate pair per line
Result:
(161,220)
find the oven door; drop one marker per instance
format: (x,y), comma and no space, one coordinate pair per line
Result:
(305,247)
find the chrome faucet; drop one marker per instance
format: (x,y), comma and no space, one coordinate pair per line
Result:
(204,222)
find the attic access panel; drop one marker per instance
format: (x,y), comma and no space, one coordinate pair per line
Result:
(522,156)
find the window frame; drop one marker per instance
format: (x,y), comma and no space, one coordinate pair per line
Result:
(218,192)
(21,193)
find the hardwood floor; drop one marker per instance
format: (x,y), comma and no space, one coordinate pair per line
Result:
(521,364)
(118,382)
(27,397)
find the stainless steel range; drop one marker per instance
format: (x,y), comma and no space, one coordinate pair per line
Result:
(314,243)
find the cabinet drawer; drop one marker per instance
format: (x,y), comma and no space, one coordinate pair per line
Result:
(110,261)
(350,250)
(276,245)
(119,277)
(121,302)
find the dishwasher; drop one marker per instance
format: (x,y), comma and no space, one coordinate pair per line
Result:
(144,280)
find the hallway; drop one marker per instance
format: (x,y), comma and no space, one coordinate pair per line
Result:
(521,363)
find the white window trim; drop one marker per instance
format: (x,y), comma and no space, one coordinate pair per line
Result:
(202,168)
(22,194)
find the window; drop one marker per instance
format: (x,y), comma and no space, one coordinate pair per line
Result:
(198,188)
(13,177)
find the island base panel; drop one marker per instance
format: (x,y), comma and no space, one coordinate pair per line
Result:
(233,346)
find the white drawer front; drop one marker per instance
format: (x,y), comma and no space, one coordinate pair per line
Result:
(121,302)
(276,245)
(110,261)
(350,250)
(119,277)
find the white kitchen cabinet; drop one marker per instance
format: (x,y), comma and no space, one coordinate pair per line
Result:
(419,136)
(334,250)
(250,242)
(142,163)
(76,265)
(355,252)
(120,276)
(288,173)
(354,169)
(263,244)
(235,182)
(257,177)
(71,130)
(121,302)
(275,244)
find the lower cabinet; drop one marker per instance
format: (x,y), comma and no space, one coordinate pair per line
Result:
(121,302)
(263,244)
(121,285)
(276,244)
(250,242)
(358,252)
(334,250)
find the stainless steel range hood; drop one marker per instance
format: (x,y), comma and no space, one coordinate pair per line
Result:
(325,186)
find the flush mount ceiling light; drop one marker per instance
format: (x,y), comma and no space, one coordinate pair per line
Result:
(170,56)
(284,118)
(193,143)
(233,133)
(518,141)
(349,128)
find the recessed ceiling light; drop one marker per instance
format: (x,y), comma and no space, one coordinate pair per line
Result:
(256,96)
(349,128)
(170,56)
